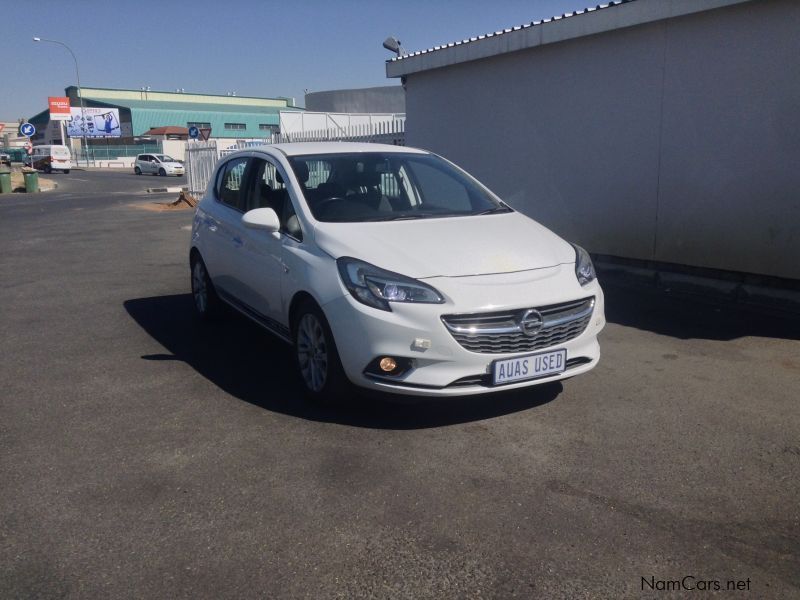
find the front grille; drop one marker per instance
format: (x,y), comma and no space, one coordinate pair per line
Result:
(503,332)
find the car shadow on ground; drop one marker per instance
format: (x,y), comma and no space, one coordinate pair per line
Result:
(692,316)
(250,364)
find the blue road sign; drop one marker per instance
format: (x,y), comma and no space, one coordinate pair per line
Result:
(27,129)
(194,132)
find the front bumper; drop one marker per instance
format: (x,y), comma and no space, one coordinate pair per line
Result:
(363,333)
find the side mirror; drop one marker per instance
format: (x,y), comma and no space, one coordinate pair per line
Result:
(262,218)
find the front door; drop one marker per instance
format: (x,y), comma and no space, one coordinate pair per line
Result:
(260,264)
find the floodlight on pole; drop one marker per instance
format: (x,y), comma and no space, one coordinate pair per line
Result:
(392,44)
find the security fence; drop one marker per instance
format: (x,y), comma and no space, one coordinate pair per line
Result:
(200,160)
(100,152)
(201,157)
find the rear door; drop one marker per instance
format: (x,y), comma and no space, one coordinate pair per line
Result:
(222,227)
(144,163)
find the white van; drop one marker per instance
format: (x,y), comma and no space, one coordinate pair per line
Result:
(51,158)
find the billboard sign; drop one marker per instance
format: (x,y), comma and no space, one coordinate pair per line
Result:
(59,108)
(98,122)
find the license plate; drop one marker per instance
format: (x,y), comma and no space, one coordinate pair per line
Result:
(529,367)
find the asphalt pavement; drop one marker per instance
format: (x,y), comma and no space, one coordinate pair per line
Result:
(145,455)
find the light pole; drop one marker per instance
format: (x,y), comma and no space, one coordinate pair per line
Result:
(80,93)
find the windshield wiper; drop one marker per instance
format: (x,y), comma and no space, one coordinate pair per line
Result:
(496,209)
(399,218)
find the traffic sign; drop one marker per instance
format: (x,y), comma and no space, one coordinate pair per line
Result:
(194,132)
(205,133)
(27,129)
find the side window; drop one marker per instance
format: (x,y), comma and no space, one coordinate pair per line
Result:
(229,186)
(144,157)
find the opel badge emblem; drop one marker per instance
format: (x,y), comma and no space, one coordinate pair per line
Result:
(531,322)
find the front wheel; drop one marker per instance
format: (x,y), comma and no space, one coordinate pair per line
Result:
(316,356)
(162,172)
(207,304)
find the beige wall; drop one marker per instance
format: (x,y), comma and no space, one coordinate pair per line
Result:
(674,141)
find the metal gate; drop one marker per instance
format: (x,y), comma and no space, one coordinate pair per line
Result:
(201,158)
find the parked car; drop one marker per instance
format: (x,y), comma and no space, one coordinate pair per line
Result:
(5,159)
(49,158)
(392,269)
(157,164)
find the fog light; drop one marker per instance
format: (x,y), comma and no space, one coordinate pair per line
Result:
(387,364)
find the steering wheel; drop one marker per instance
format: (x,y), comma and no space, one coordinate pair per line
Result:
(327,202)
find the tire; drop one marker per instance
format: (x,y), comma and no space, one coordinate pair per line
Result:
(66,171)
(48,170)
(162,172)
(137,170)
(316,356)
(207,304)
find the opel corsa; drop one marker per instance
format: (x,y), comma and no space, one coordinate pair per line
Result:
(392,269)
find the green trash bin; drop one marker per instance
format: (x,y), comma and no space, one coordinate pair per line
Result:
(31,180)
(5,180)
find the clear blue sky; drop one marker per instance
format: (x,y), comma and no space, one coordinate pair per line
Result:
(257,48)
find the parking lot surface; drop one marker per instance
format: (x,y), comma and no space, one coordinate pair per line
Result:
(145,455)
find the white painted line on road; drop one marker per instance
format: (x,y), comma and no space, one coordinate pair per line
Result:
(171,189)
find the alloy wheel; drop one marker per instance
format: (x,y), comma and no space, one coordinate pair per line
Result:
(312,352)
(199,288)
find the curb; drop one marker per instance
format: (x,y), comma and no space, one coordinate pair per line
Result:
(729,291)
(165,190)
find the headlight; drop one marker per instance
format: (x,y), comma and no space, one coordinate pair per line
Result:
(584,269)
(377,288)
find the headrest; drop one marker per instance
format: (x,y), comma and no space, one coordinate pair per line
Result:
(370,178)
(301,171)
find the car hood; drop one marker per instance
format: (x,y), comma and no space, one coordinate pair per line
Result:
(448,247)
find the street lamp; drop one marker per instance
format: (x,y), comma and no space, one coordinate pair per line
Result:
(80,93)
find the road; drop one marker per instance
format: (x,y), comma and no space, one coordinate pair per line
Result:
(144,455)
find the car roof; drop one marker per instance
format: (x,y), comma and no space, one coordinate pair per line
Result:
(301,148)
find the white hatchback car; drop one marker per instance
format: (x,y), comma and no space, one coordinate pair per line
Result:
(157,164)
(392,269)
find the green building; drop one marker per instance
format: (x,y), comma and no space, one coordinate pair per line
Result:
(142,110)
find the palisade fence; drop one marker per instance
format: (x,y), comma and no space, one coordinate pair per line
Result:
(201,157)
(97,152)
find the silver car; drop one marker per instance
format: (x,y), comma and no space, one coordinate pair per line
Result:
(158,164)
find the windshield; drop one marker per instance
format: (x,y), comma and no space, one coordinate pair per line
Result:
(386,186)
(165,158)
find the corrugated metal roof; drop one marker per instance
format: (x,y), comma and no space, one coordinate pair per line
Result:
(510,29)
(595,19)
(191,106)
